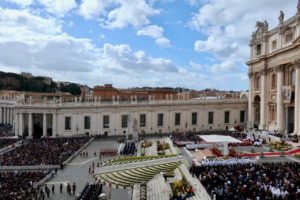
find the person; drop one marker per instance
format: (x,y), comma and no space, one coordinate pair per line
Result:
(69,188)
(60,187)
(53,188)
(74,188)
(47,190)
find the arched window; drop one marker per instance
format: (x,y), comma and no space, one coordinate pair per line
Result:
(256,82)
(293,77)
(273,81)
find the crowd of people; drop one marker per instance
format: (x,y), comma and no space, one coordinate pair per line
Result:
(20,185)
(6,130)
(46,151)
(269,181)
(183,139)
(129,149)
(6,142)
(231,161)
(91,191)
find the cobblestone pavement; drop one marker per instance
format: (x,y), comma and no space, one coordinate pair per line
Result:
(77,171)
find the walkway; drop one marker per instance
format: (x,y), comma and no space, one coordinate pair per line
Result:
(77,171)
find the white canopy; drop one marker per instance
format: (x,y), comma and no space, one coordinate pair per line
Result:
(219,139)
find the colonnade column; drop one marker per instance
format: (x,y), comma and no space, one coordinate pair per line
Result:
(1,115)
(44,124)
(297,99)
(54,132)
(21,124)
(12,116)
(279,100)
(4,115)
(30,124)
(263,116)
(8,115)
(16,124)
(250,107)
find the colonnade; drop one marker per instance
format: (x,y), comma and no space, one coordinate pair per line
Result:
(6,115)
(20,123)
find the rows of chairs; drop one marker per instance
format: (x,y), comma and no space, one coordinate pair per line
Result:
(91,192)
(128,149)
(109,152)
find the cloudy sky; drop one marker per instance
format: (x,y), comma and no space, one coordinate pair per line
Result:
(195,44)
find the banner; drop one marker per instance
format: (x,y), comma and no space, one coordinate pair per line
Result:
(287,94)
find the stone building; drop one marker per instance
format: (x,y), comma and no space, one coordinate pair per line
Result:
(274,75)
(65,118)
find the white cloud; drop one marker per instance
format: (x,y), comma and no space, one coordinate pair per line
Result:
(228,25)
(155,32)
(164,42)
(226,66)
(118,13)
(196,66)
(22,3)
(58,7)
(39,44)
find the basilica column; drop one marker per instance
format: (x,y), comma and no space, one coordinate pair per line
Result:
(44,124)
(263,100)
(250,107)
(30,124)
(297,98)
(279,100)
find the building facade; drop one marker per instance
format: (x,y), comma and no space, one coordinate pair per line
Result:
(274,76)
(64,118)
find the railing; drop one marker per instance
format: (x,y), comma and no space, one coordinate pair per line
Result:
(144,102)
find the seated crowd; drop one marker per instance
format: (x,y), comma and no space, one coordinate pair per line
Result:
(46,151)
(182,139)
(224,162)
(251,181)
(20,185)
(7,142)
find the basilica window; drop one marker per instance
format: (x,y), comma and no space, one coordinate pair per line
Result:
(288,37)
(194,118)
(242,116)
(273,81)
(160,119)
(293,77)
(105,121)
(258,49)
(226,117)
(67,123)
(256,83)
(177,119)
(87,122)
(124,122)
(274,44)
(143,120)
(210,117)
